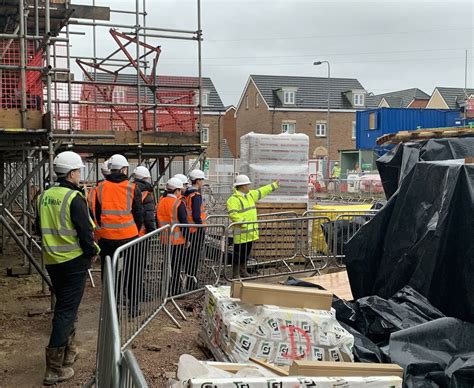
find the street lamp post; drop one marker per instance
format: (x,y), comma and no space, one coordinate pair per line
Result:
(317,63)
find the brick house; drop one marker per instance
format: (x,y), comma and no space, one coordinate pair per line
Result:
(170,89)
(283,104)
(408,98)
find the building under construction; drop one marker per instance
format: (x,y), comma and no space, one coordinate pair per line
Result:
(53,100)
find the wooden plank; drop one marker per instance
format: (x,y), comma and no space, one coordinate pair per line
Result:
(285,296)
(272,368)
(341,369)
(90,12)
(337,283)
(11,118)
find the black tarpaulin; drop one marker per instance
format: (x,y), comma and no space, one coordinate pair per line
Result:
(396,164)
(422,237)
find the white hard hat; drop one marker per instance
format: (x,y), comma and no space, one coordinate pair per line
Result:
(105,168)
(196,174)
(183,178)
(141,172)
(241,180)
(67,161)
(117,161)
(174,183)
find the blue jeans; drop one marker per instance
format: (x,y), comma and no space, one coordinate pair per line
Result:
(69,280)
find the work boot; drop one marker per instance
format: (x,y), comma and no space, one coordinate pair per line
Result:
(72,351)
(243,270)
(55,372)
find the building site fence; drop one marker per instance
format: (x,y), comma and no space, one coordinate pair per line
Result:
(141,282)
(349,190)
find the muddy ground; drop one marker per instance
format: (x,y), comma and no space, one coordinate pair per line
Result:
(25,323)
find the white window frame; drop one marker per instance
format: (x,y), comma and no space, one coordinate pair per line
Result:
(205,98)
(354,131)
(257,100)
(246,102)
(118,95)
(205,134)
(358,99)
(320,128)
(288,124)
(289,97)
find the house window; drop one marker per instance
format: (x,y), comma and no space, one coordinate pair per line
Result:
(205,98)
(205,134)
(257,100)
(373,120)
(246,102)
(118,96)
(320,129)
(358,99)
(353,130)
(289,98)
(288,127)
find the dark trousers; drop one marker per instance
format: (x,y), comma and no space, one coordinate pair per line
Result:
(196,241)
(177,254)
(69,280)
(241,254)
(108,248)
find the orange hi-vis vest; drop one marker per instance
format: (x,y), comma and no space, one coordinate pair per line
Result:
(167,214)
(189,207)
(91,201)
(116,219)
(142,231)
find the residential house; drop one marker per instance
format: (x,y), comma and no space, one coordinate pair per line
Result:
(285,104)
(230,147)
(170,90)
(449,98)
(408,98)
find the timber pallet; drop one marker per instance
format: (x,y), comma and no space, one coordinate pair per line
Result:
(424,134)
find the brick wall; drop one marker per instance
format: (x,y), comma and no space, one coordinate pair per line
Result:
(214,123)
(229,130)
(260,119)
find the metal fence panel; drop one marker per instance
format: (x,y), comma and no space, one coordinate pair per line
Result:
(108,342)
(141,281)
(131,375)
(196,263)
(278,250)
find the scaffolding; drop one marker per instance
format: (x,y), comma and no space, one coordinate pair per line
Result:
(120,105)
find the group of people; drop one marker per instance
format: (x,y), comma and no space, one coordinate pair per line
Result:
(77,228)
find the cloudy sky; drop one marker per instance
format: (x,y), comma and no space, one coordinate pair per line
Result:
(387,45)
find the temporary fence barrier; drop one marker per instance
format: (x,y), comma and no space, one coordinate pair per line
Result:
(131,375)
(108,343)
(215,196)
(350,190)
(141,282)
(266,248)
(332,229)
(195,255)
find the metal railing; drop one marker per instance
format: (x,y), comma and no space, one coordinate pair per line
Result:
(131,375)
(141,282)
(350,190)
(266,248)
(108,342)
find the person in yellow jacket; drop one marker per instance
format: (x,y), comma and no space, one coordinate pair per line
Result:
(68,247)
(241,208)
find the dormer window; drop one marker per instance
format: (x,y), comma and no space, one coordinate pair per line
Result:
(358,99)
(204,100)
(288,97)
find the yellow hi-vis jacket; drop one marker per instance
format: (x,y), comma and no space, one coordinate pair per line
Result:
(241,208)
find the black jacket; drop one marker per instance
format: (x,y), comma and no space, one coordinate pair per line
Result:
(137,206)
(195,205)
(148,205)
(79,213)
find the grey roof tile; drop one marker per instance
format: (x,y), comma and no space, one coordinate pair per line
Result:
(312,92)
(399,98)
(453,95)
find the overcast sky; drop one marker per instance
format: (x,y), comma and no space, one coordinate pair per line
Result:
(386,45)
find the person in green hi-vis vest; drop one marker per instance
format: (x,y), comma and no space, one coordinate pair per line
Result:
(68,248)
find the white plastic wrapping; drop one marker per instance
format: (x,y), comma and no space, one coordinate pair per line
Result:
(235,331)
(266,158)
